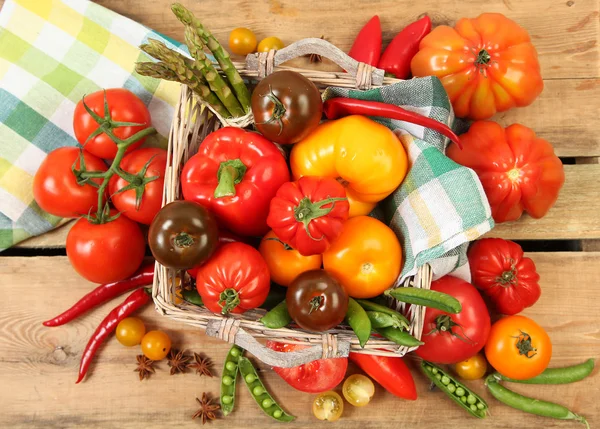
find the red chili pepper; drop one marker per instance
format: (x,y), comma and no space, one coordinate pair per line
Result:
(339,107)
(143,277)
(391,372)
(397,56)
(367,45)
(137,299)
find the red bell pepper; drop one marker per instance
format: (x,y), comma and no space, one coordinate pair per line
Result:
(308,214)
(391,372)
(397,56)
(367,45)
(235,174)
(235,279)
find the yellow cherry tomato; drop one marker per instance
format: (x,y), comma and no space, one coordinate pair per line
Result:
(473,368)
(130,331)
(269,43)
(358,390)
(328,406)
(366,157)
(156,345)
(366,258)
(242,41)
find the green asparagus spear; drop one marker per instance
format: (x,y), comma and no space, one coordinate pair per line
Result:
(203,35)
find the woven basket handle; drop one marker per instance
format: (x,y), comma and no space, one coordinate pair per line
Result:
(228,330)
(265,62)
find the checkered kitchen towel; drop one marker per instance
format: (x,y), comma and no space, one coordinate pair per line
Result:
(440,206)
(52,52)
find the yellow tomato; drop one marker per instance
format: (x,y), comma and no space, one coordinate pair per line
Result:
(366,258)
(130,331)
(242,41)
(358,390)
(328,406)
(269,43)
(363,155)
(472,368)
(156,345)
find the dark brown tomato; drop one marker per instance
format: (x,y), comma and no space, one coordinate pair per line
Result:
(286,107)
(316,301)
(182,235)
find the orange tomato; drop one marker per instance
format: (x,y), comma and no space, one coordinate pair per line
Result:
(285,263)
(518,348)
(366,258)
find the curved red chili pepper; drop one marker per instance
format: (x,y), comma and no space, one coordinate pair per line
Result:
(133,302)
(143,277)
(367,45)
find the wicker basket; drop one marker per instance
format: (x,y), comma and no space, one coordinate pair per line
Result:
(191,124)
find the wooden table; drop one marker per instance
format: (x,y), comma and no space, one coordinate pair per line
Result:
(39,365)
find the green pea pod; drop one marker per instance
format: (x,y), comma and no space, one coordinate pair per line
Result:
(458,392)
(383,320)
(228,379)
(566,375)
(277,317)
(192,296)
(426,298)
(399,336)
(359,321)
(372,306)
(258,391)
(530,405)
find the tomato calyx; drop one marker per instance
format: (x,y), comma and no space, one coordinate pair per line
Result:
(82,175)
(524,345)
(483,57)
(230,174)
(508,278)
(279,110)
(444,323)
(307,211)
(315,303)
(228,300)
(285,245)
(183,239)
(102,216)
(137,181)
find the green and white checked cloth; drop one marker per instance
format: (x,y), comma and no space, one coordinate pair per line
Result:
(440,206)
(52,52)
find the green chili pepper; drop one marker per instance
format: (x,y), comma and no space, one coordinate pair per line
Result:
(260,394)
(530,405)
(277,317)
(228,379)
(399,336)
(566,375)
(426,298)
(358,320)
(192,296)
(458,392)
(398,318)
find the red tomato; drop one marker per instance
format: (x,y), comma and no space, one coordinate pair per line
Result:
(151,199)
(123,106)
(451,338)
(108,252)
(313,377)
(55,187)
(224,238)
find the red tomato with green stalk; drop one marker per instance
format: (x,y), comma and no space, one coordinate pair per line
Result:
(451,338)
(115,111)
(234,280)
(308,214)
(235,174)
(500,270)
(314,377)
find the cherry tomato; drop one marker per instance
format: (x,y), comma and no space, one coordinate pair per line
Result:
(269,43)
(316,301)
(156,345)
(518,348)
(358,390)
(183,234)
(472,368)
(366,257)
(107,252)
(313,377)
(242,41)
(328,406)
(130,331)
(123,106)
(285,263)
(55,186)
(287,107)
(142,209)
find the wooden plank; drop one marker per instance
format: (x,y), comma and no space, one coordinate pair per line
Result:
(39,365)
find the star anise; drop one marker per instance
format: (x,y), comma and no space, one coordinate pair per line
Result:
(178,361)
(315,58)
(202,365)
(207,409)
(145,366)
